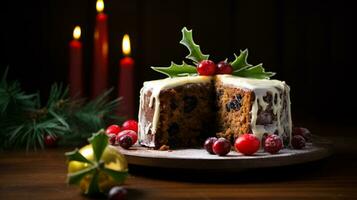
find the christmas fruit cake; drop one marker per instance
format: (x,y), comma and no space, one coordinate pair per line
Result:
(225,100)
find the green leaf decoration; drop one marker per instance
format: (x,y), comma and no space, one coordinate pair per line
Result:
(240,61)
(257,72)
(116,175)
(75,178)
(93,188)
(195,52)
(99,142)
(175,70)
(95,169)
(76,156)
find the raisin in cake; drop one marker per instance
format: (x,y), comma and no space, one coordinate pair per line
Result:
(183,111)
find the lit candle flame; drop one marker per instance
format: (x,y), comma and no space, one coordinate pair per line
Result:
(100,5)
(126,45)
(77,32)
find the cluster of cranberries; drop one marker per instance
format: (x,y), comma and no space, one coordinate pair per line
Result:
(125,136)
(248,144)
(209,68)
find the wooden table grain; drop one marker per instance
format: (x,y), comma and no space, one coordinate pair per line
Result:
(42,174)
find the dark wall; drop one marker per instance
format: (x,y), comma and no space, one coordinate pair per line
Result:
(308,43)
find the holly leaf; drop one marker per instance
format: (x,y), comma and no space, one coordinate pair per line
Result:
(175,70)
(240,61)
(195,52)
(99,142)
(254,72)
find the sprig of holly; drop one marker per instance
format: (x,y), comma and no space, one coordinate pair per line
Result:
(240,66)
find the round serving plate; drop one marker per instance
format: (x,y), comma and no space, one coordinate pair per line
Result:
(200,159)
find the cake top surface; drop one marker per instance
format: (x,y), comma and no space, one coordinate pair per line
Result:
(248,83)
(177,81)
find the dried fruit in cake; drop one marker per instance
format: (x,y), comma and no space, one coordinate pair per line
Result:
(224,67)
(130,125)
(273,144)
(209,143)
(247,144)
(304,132)
(221,147)
(130,133)
(125,141)
(206,68)
(117,193)
(112,129)
(298,142)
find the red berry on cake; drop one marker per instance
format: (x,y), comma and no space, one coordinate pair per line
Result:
(113,129)
(247,144)
(221,147)
(206,68)
(209,143)
(304,132)
(130,133)
(298,142)
(125,141)
(224,67)
(130,125)
(273,144)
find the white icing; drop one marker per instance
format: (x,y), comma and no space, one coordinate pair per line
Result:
(260,87)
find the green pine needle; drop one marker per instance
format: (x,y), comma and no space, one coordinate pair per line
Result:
(24,121)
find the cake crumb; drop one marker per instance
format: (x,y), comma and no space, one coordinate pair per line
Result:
(164,148)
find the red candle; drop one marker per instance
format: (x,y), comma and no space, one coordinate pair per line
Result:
(75,64)
(100,68)
(126,84)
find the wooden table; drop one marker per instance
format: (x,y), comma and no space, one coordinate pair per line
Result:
(42,174)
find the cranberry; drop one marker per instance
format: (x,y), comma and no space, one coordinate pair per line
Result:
(247,144)
(273,144)
(130,125)
(112,139)
(304,132)
(221,147)
(132,134)
(206,68)
(298,142)
(125,141)
(117,193)
(50,141)
(209,143)
(224,68)
(113,129)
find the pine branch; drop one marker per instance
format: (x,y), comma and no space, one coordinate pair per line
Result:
(25,122)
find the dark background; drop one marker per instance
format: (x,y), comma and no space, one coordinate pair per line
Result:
(308,43)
